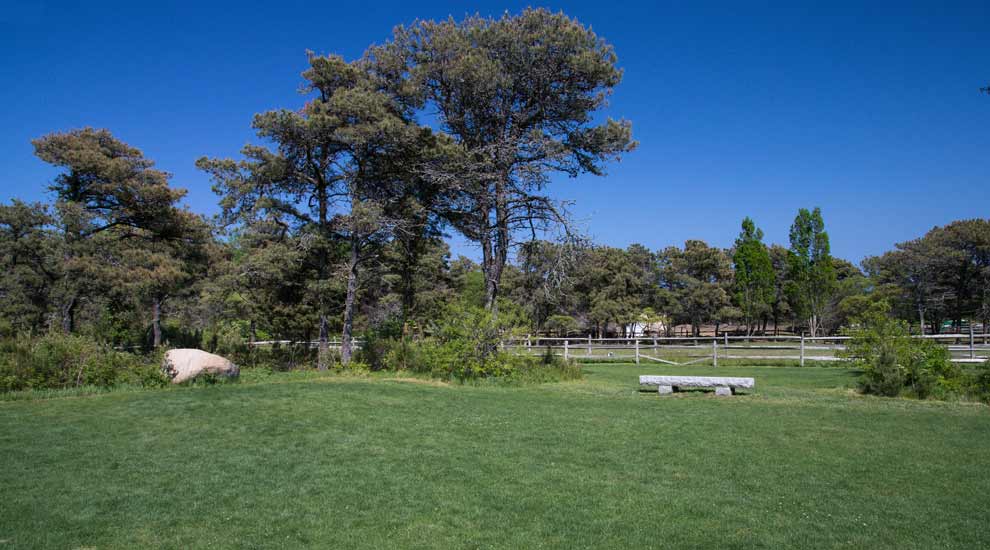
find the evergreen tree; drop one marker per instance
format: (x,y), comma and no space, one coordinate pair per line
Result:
(107,191)
(754,276)
(517,95)
(810,270)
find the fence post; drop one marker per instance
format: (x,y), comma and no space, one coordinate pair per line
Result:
(565,349)
(637,350)
(726,336)
(589,344)
(802,349)
(529,343)
(715,352)
(972,348)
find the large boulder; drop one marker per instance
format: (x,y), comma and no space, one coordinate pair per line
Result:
(185,364)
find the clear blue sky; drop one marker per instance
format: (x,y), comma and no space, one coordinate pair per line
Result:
(870,110)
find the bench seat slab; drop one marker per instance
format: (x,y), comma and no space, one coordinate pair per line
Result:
(696,381)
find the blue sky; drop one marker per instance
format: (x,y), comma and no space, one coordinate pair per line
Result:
(870,110)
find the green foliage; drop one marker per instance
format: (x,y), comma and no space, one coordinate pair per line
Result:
(277,357)
(464,345)
(976,382)
(468,341)
(811,272)
(59,360)
(228,338)
(378,343)
(697,278)
(27,257)
(561,325)
(471,287)
(944,275)
(614,284)
(542,74)
(754,275)
(893,362)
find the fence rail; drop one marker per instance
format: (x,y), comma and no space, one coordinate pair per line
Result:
(686,350)
(332,344)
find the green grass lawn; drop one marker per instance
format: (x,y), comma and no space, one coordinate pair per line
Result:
(342,462)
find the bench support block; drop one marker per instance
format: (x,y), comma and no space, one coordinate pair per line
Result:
(723,390)
(664,390)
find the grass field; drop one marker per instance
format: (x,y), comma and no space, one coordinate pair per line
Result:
(342,462)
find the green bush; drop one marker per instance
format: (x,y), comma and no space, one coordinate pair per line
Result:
(354,367)
(378,343)
(60,360)
(977,383)
(465,345)
(276,357)
(894,363)
(146,371)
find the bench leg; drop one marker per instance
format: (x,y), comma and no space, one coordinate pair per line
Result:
(723,390)
(664,390)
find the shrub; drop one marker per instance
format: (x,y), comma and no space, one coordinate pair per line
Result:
(893,362)
(977,383)
(146,371)
(276,358)
(543,369)
(228,338)
(378,343)
(354,367)
(60,360)
(465,345)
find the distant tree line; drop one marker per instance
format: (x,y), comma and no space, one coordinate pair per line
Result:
(333,225)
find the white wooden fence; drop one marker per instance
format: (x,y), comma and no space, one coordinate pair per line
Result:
(964,348)
(687,350)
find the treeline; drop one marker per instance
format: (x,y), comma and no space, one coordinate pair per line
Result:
(334,225)
(939,281)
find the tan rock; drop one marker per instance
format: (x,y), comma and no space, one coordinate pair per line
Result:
(185,364)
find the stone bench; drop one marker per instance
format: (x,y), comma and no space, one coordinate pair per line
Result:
(723,385)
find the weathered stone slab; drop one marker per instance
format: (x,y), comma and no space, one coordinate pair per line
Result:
(696,381)
(723,390)
(664,390)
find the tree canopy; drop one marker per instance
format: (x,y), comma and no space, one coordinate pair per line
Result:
(517,94)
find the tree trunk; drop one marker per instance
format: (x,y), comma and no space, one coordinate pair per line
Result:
(410,259)
(68,313)
(323,355)
(921,320)
(156,322)
(487,269)
(495,254)
(352,274)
